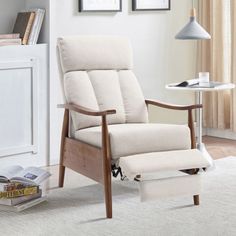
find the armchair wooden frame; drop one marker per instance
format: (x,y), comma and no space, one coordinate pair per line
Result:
(95,162)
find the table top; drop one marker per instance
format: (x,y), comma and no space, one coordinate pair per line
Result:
(196,89)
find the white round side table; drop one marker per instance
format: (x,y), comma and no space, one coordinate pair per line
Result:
(199,91)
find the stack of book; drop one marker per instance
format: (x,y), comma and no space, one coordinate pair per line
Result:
(10,39)
(26,29)
(20,188)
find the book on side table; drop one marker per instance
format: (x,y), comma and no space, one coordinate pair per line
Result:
(20,188)
(194,83)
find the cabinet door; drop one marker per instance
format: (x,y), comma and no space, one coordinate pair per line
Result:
(19,106)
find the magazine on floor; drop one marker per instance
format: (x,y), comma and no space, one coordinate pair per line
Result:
(29,175)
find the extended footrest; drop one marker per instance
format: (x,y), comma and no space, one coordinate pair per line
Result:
(163,174)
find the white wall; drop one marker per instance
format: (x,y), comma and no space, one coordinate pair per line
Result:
(159,59)
(8,14)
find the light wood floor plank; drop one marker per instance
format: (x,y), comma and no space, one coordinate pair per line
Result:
(219,147)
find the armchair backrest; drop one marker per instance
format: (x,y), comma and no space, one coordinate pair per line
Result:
(98,75)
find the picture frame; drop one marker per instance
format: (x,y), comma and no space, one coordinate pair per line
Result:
(151,5)
(100,5)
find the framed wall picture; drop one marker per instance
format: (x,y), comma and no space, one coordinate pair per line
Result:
(151,5)
(100,5)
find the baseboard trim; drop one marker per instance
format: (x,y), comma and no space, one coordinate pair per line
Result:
(54,161)
(228,134)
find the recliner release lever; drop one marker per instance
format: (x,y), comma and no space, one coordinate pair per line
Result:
(116,171)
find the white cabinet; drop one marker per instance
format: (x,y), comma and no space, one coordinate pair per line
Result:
(24,99)
(24,91)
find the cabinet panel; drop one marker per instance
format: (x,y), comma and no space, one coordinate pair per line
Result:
(19,106)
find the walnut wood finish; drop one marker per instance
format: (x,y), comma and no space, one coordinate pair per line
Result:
(86,159)
(86,111)
(191,127)
(172,106)
(196,200)
(106,166)
(64,134)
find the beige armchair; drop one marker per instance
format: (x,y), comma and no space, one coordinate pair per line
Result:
(109,129)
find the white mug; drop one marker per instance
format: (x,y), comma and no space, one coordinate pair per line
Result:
(204,78)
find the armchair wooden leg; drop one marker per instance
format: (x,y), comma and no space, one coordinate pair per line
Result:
(106,167)
(61,176)
(108,196)
(64,134)
(196,200)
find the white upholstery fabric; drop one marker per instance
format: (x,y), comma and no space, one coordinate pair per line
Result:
(134,102)
(95,53)
(163,161)
(79,90)
(97,75)
(188,185)
(107,91)
(129,139)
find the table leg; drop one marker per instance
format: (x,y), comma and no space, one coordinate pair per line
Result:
(200,144)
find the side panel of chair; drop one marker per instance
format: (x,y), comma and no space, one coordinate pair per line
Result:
(79,156)
(83,158)
(90,161)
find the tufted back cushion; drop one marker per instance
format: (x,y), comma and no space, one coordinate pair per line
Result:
(97,74)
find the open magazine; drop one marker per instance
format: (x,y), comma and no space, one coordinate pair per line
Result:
(29,175)
(188,83)
(194,83)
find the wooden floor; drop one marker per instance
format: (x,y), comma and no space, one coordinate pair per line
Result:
(220,148)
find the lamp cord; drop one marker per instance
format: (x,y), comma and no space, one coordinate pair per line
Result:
(192,3)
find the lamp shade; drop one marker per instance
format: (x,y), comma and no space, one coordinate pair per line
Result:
(193,30)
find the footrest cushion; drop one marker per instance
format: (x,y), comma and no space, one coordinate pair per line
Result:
(147,163)
(185,185)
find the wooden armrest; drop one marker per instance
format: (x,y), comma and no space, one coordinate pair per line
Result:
(189,108)
(86,111)
(172,106)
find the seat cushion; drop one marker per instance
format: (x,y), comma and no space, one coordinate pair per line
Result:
(130,139)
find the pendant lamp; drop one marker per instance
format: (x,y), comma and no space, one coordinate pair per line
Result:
(193,30)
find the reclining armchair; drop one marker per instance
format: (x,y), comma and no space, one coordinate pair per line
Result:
(106,128)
